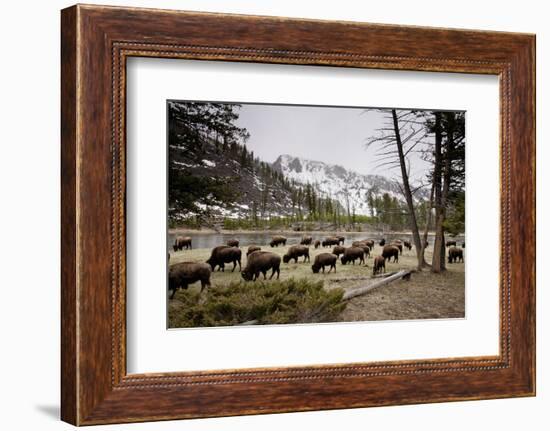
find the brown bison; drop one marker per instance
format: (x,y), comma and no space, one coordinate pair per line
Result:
(455,255)
(317,243)
(450,243)
(252,249)
(277,240)
(232,242)
(352,254)
(306,240)
(379,265)
(369,242)
(390,251)
(331,240)
(322,260)
(341,239)
(295,252)
(181,242)
(363,245)
(224,254)
(408,245)
(261,262)
(338,250)
(382,242)
(399,246)
(181,275)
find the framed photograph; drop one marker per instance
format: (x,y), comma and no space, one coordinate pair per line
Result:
(322,214)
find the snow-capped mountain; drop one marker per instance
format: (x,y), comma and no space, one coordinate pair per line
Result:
(348,187)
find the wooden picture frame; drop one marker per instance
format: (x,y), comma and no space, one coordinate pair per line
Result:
(95,43)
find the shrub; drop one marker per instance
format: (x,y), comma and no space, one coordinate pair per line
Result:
(266,302)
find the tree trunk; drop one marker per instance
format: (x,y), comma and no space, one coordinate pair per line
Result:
(407,192)
(438,258)
(428,220)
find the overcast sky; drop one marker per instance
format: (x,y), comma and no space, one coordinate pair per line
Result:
(329,134)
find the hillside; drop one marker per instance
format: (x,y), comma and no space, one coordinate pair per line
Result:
(351,189)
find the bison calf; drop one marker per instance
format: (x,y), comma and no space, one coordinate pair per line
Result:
(322,260)
(408,245)
(295,252)
(181,275)
(261,262)
(379,265)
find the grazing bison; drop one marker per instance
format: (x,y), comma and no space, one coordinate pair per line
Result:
(295,252)
(331,240)
(182,274)
(408,245)
(390,251)
(261,262)
(341,239)
(369,242)
(233,242)
(322,260)
(252,249)
(181,242)
(352,254)
(338,250)
(306,240)
(363,245)
(399,246)
(379,265)
(276,240)
(224,254)
(450,243)
(382,242)
(455,255)
(317,243)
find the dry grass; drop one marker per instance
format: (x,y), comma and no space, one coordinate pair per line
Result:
(425,296)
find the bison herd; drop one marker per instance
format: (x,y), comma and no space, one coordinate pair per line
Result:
(259,261)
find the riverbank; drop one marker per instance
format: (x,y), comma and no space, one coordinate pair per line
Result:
(208,231)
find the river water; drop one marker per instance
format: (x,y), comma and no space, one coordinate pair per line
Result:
(211,240)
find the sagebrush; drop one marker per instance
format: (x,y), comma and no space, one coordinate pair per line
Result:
(263,302)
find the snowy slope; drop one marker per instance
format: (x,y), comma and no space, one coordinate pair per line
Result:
(337,182)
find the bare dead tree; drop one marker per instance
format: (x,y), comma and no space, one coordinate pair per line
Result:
(401,136)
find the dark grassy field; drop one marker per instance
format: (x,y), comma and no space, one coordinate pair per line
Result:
(425,296)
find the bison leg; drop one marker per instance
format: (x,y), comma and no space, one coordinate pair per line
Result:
(265,274)
(173,292)
(234,265)
(240,267)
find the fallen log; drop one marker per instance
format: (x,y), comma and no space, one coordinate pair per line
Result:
(406,274)
(248,323)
